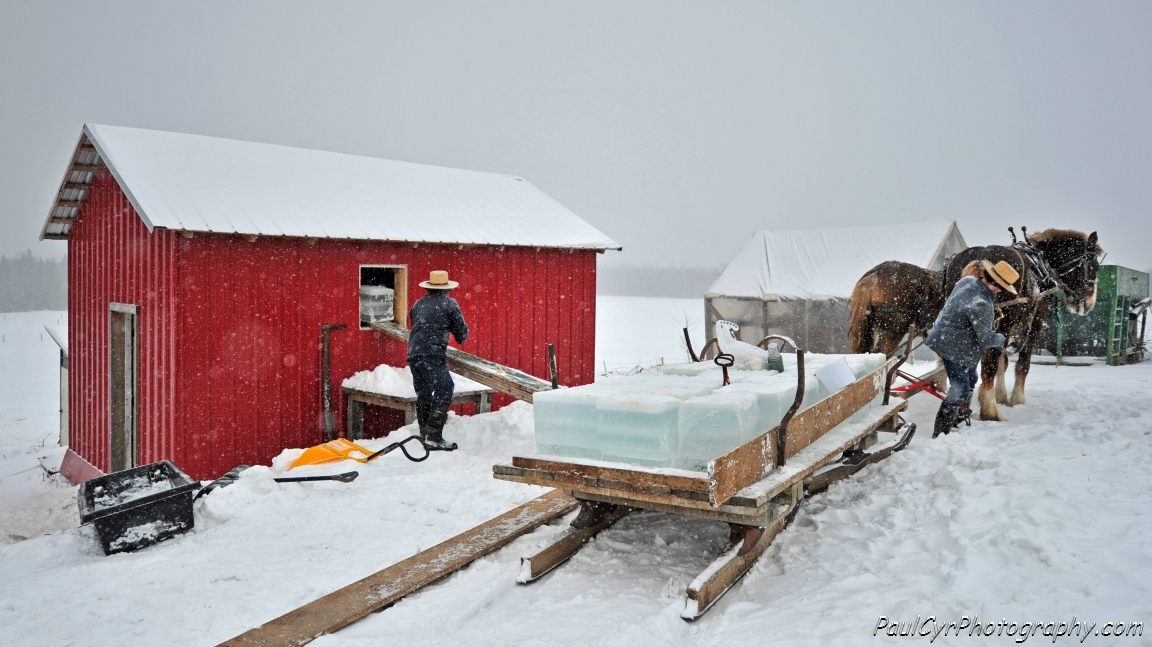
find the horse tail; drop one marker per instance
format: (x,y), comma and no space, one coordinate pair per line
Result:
(860,338)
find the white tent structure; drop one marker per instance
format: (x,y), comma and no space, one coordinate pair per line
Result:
(798,283)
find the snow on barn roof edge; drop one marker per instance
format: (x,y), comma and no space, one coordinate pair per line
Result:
(826,263)
(209,184)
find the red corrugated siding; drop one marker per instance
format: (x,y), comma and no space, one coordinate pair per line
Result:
(230,329)
(113,258)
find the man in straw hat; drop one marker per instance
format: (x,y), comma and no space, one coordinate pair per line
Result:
(965,327)
(433,317)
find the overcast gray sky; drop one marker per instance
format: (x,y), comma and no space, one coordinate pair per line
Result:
(677,128)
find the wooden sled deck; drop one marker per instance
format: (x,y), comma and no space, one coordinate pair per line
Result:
(746,488)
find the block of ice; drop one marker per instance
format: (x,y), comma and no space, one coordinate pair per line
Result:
(566,422)
(835,375)
(712,425)
(638,428)
(637,418)
(862,365)
(773,398)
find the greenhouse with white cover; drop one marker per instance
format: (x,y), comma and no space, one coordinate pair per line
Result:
(799,283)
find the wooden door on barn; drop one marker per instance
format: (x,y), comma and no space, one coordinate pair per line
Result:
(122,387)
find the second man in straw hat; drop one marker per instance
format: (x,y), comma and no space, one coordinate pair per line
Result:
(965,327)
(433,318)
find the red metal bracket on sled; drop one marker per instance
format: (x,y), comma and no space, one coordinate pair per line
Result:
(916,384)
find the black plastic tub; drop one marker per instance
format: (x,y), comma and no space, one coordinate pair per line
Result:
(138,507)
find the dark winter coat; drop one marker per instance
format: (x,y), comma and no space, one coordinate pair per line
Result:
(433,317)
(965,326)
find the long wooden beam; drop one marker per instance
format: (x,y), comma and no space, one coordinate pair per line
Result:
(341,608)
(748,463)
(517,384)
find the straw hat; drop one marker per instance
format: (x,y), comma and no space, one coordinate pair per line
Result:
(1002,273)
(438,280)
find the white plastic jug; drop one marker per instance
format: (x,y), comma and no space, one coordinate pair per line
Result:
(835,375)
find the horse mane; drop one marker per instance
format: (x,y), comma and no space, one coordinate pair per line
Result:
(1057,235)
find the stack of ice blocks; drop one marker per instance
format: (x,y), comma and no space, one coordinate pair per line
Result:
(677,415)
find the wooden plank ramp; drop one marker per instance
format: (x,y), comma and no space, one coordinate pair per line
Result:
(504,379)
(347,605)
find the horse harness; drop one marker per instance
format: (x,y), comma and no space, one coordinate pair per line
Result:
(1049,280)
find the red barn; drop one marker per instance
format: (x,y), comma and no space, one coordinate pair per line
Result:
(200,271)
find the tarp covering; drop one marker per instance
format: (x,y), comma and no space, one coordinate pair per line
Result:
(196,183)
(826,263)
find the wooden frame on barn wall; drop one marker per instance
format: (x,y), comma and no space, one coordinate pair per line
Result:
(400,290)
(123,367)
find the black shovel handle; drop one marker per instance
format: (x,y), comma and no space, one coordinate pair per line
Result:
(404,449)
(346,477)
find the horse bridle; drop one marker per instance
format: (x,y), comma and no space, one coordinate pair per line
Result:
(1080,261)
(1052,279)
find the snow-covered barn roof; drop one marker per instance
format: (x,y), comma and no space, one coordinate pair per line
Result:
(823,263)
(208,184)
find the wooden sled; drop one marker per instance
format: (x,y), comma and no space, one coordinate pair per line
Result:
(746,488)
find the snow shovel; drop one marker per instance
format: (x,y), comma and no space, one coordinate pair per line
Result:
(346,477)
(342,448)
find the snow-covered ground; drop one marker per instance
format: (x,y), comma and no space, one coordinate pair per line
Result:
(1041,518)
(31,503)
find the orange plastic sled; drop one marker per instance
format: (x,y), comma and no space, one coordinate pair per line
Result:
(333,450)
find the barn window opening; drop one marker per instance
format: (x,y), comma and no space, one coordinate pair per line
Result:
(383,295)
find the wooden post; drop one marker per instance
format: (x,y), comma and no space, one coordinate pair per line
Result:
(552,367)
(326,377)
(355,420)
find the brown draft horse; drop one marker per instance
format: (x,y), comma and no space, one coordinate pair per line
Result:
(887,301)
(1050,260)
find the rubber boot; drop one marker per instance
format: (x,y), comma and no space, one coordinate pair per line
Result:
(964,411)
(422,409)
(434,439)
(945,418)
(963,415)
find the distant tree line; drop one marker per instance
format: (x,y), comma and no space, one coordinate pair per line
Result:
(31,283)
(654,281)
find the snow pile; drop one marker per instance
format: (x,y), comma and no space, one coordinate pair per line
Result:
(136,488)
(397,382)
(679,415)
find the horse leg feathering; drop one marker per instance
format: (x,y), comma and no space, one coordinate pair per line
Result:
(1001,386)
(989,365)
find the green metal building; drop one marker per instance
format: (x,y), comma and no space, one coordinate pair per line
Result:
(1114,329)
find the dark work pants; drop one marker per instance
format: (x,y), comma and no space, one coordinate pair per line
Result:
(961,380)
(431,379)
